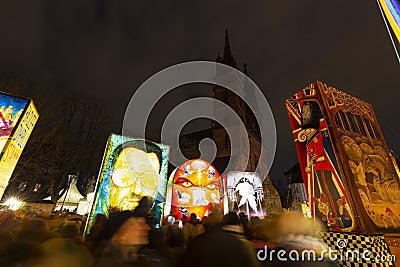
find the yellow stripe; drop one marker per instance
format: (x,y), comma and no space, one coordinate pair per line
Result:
(391,20)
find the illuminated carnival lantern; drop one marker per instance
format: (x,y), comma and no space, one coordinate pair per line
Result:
(193,187)
(18,117)
(132,168)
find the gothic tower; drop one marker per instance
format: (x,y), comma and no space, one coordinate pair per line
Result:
(250,132)
(247,132)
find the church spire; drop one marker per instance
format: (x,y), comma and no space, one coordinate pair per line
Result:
(227,47)
(227,57)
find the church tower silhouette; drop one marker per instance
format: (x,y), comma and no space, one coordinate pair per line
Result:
(219,133)
(232,157)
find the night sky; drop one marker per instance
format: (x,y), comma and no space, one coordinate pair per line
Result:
(108,48)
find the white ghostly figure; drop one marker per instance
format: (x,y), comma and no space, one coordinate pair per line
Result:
(183,197)
(199,197)
(246,191)
(186,169)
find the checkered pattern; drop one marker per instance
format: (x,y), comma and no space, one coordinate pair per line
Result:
(347,243)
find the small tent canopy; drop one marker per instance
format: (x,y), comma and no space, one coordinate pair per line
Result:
(71,196)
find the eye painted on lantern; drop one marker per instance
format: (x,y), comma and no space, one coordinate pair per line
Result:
(187,184)
(211,186)
(183,182)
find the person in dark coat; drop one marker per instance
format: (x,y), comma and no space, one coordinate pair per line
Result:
(216,248)
(231,225)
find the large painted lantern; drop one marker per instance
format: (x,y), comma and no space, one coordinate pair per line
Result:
(132,168)
(18,116)
(245,193)
(192,188)
(346,166)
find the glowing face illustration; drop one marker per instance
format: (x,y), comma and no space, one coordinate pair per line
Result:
(132,168)
(135,174)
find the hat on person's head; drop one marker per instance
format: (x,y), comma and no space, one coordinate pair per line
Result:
(144,202)
(140,212)
(116,220)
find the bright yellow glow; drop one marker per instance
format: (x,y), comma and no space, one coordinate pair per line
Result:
(13,204)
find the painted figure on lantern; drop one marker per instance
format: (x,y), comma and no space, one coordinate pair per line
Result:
(321,174)
(245,193)
(192,188)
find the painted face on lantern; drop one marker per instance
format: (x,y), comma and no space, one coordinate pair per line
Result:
(196,185)
(135,174)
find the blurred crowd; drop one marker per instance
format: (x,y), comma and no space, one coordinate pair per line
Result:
(130,238)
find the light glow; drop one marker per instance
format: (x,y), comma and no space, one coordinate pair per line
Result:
(13,204)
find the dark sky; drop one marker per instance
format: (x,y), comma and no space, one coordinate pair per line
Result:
(108,48)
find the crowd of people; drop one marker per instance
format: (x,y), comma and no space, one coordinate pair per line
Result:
(131,238)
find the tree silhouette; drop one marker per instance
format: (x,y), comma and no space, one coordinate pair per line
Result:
(69,138)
